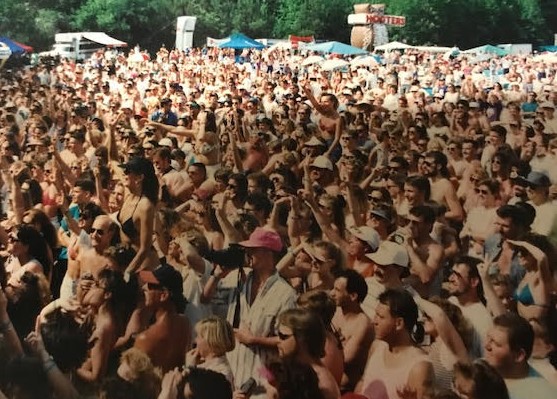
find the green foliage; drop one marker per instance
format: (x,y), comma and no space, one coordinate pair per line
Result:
(465,23)
(469,23)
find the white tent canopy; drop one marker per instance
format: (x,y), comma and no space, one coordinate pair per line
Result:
(433,49)
(393,46)
(331,65)
(103,38)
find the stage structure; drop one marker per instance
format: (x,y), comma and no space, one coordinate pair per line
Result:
(370,25)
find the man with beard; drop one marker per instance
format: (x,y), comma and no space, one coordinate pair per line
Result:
(513,221)
(352,324)
(442,190)
(466,291)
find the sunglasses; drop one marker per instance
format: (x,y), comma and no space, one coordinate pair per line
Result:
(284,337)
(155,287)
(98,231)
(232,186)
(374,199)
(479,191)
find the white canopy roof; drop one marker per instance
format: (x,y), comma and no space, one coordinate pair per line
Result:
(393,46)
(103,38)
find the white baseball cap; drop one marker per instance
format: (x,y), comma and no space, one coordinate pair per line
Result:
(390,253)
(322,162)
(367,234)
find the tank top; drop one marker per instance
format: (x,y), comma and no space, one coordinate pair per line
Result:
(380,381)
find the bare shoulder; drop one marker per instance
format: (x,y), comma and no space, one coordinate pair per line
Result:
(145,205)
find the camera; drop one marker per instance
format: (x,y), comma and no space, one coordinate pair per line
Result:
(232,257)
(398,238)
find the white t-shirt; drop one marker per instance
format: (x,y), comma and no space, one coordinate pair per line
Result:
(481,320)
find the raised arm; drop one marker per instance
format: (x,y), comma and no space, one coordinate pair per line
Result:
(493,302)
(425,270)
(447,331)
(11,340)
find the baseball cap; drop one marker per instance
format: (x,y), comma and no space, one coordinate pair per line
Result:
(390,253)
(314,142)
(165,142)
(165,276)
(381,213)
(322,162)
(263,238)
(538,179)
(367,234)
(139,165)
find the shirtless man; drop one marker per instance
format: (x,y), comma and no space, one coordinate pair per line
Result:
(442,190)
(395,364)
(327,108)
(353,326)
(104,233)
(426,254)
(168,338)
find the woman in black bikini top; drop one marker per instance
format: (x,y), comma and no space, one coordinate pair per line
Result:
(137,228)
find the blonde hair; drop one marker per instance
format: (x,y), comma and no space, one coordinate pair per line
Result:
(218,333)
(138,361)
(147,378)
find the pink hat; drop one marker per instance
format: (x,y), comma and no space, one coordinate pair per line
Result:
(263,238)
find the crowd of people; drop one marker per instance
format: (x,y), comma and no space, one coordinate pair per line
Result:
(208,224)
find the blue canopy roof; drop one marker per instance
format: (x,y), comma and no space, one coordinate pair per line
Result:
(240,41)
(488,49)
(550,48)
(15,47)
(336,48)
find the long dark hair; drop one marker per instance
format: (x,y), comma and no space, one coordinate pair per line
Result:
(29,236)
(40,219)
(150,187)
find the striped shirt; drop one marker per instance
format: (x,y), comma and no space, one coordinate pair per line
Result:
(274,297)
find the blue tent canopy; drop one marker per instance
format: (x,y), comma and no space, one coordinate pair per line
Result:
(15,47)
(336,48)
(549,48)
(240,41)
(488,49)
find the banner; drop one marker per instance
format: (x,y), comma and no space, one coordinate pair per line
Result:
(211,42)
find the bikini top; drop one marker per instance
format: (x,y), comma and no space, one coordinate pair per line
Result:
(128,227)
(524,296)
